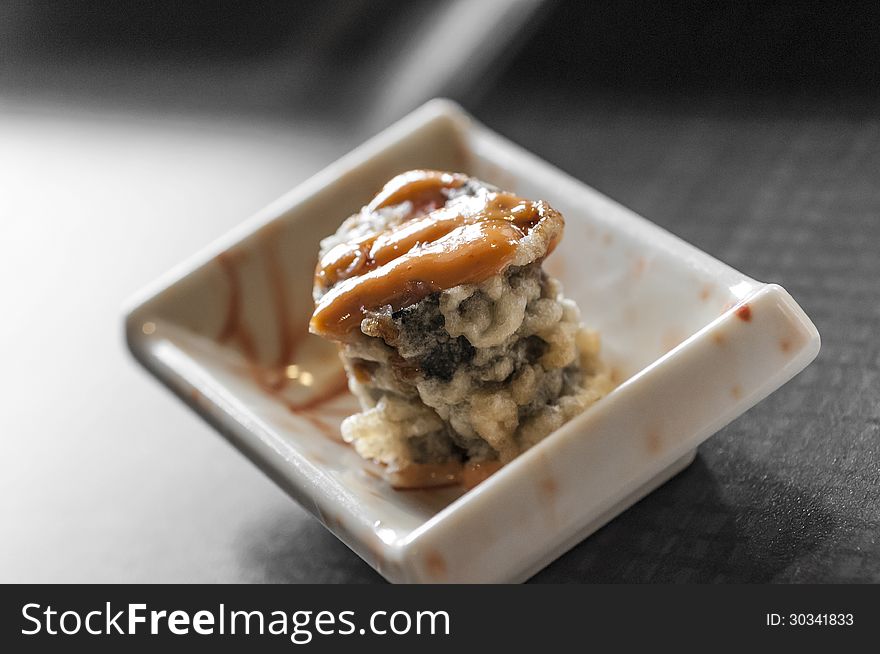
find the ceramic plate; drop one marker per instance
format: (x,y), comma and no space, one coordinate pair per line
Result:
(692,343)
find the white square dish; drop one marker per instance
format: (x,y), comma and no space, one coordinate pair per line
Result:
(692,343)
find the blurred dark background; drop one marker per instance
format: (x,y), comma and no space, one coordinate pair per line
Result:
(132,133)
(335,58)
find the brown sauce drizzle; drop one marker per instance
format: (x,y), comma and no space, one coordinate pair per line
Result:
(468,242)
(416,186)
(273,378)
(474,474)
(234,329)
(288,337)
(338,387)
(327,430)
(421,476)
(417,476)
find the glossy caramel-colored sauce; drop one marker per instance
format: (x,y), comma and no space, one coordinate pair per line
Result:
(415,186)
(464,242)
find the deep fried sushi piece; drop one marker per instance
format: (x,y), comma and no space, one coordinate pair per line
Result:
(462,351)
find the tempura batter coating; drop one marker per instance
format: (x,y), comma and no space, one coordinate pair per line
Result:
(462,351)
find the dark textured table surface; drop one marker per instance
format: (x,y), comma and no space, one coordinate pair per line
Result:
(789,492)
(116,481)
